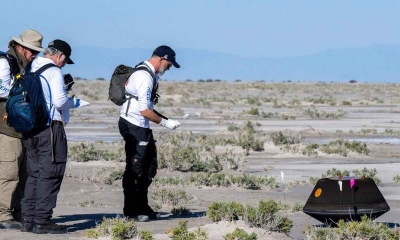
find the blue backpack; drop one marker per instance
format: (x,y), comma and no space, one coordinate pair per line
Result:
(26,106)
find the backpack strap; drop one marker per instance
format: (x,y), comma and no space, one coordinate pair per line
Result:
(41,69)
(39,72)
(141,66)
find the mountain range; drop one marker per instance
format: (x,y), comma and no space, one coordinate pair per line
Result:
(377,63)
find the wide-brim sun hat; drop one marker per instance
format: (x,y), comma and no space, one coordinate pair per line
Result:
(30,39)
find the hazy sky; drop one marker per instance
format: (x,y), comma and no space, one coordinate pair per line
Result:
(260,28)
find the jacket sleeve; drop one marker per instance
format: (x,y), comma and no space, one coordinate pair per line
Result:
(58,94)
(5,78)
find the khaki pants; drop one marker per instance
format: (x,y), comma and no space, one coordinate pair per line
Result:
(12,177)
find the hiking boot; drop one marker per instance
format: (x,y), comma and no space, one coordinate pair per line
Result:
(151,213)
(10,224)
(49,227)
(154,215)
(26,226)
(138,218)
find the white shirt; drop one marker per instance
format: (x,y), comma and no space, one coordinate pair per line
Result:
(5,78)
(140,84)
(60,103)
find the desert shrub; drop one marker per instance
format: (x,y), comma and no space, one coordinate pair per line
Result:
(342,147)
(145,235)
(333,172)
(297,207)
(313,180)
(253,101)
(232,128)
(179,211)
(107,175)
(240,234)
(86,203)
(321,100)
(265,216)
(84,152)
(346,103)
(118,228)
(276,115)
(391,131)
(367,131)
(396,178)
(364,229)
(245,180)
(310,149)
(219,211)
(254,182)
(365,172)
(116,155)
(186,152)
(278,138)
(114,176)
(181,232)
(314,113)
(253,111)
(171,196)
(244,137)
(168,181)
(371,173)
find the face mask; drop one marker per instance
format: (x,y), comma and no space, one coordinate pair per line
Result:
(161,71)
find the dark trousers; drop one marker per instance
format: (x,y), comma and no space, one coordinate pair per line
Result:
(141,167)
(46,161)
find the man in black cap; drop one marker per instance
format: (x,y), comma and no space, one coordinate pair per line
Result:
(134,126)
(46,150)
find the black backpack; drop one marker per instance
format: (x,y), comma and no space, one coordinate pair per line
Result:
(117,93)
(26,105)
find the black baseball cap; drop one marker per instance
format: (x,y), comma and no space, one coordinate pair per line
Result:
(63,47)
(167,53)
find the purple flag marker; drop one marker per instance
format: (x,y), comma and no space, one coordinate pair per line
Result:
(352,182)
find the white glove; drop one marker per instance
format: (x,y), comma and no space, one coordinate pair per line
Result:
(170,124)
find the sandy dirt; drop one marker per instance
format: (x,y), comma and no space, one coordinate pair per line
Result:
(82,202)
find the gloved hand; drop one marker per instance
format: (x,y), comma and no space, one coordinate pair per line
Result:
(170,123)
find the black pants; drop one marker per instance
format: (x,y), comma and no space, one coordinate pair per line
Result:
(141,167)
(45,173)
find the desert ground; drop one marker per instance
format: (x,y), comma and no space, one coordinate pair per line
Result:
(238,123)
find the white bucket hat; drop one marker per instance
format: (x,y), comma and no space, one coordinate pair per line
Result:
(30,39)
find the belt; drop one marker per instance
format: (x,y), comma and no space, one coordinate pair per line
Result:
(3,99)
(55,122)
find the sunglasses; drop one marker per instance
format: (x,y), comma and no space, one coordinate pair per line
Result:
(169,62)
(33,52)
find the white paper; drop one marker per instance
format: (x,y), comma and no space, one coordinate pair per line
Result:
(80,103)
(282,175)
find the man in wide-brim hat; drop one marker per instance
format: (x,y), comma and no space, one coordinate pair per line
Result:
(21,51)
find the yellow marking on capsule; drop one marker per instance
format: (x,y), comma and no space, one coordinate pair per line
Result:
(318,192)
